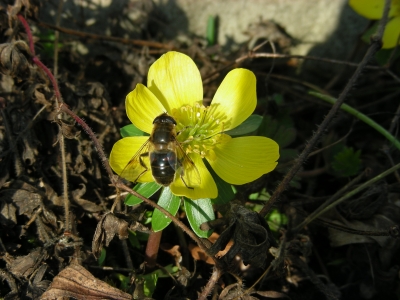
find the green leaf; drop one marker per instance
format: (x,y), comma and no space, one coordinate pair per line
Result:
(263,195)
(211,30)
(383,56)
(275,130)
(366,37)
(125,280)
(198,212)
(131,130)
(169,202)
(278,98)
(133,239)
(146,189)
(287,154)
(225,190)
(247,127)
(276,220)
(162,273)
(150,282)
(347,162)
(102,256)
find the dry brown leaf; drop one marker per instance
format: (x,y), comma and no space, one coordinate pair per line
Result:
(172,250)
(13,61)
(8,215)
(23,266)
(78,283)
(106,229)
(69,131)
(85,204)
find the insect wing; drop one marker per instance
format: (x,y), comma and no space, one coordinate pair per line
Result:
(187,168)
(138,165)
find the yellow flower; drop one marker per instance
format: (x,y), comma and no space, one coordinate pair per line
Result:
(373,10)
(174,86)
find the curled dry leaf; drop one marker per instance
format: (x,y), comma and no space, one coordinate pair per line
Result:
(172,250)
(365,206)
(78,283)
(198,253)
(16,8)
(13,59)
(250,234)
(85,204)
(106,229)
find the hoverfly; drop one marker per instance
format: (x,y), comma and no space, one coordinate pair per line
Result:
(164,156)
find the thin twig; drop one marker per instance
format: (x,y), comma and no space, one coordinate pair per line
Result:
(216,274)
(347,196)
(105,37)
(375,46)
(61,139)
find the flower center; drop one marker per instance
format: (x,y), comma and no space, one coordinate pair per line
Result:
(199,130)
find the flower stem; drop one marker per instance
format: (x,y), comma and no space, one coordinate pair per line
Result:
(360,116)
(153,245)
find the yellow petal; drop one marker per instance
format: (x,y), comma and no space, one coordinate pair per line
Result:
(207,188)
(175,80)
(391,35)
(142,107)
(235,98)
(373,9)
(122,152)
(244,159)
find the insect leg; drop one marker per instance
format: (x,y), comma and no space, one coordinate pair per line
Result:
(142,164)
(182,172)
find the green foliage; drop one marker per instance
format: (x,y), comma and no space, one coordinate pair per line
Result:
(133,239)
(282,133)
(211,30)
(131,130)
(248,127)
(260,196)
(47,43)
(150,280)
(276,220)
(226,191)
(347,162)
(149,283)
(169,202)
(198,212)
(102,257)
(146,189)
(124,281)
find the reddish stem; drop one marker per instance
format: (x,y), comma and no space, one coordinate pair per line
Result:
(28,32)
(51,77)
(62,106)
(153,245)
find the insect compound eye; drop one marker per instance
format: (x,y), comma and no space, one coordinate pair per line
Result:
(170,120)
(164,118)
